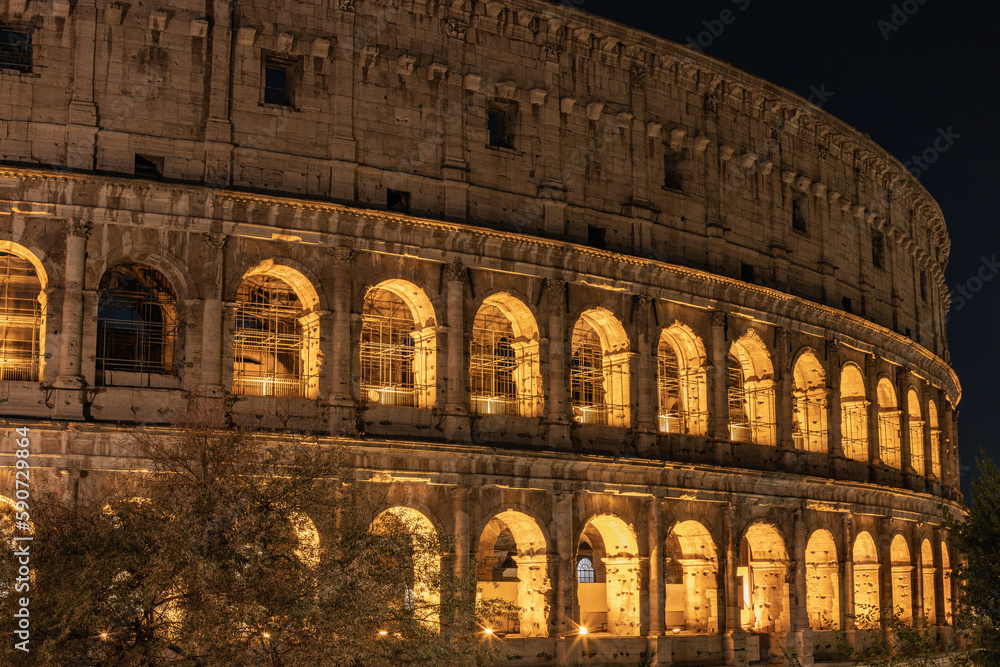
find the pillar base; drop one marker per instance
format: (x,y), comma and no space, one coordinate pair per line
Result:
(211,391)
(67,404)
(69,382)
(456,428)
(664,650)
(800,644)
(558,435)
(341,418)
(734,648)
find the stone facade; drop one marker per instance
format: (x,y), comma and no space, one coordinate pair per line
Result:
(718,370)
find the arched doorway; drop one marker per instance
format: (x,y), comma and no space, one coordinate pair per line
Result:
(611,602)
(692,573)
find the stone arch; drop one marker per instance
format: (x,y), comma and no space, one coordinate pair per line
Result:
(398,345)
(681,381)
(888,425)
(934,428)
(902,571)
(422,592)
(946,582)
(916,430)
(853,412)
(692,574)
(822,581)
(867,602)
(308,539)
(809,403)
(599,369)
(276,332)
(532,589)
(177,274)
(763,572)
(614,604)
(751,391)
(928,578)
(504,369)
(138,328)
(23,283)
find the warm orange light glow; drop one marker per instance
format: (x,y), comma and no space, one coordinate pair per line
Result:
(104,636)
(583,630)
(488,631)
(267,636)
(383,633)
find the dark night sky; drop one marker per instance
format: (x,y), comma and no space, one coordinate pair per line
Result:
(939,70)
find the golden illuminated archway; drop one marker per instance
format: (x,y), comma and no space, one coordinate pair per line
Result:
(513,566)
(504,371)
(398,346)
(681,381)
(822,582)
(751,392)
(421,597)
(888,425)
(867,602)
(928,579)
(691,574)
(22,313)
(853,413)
(902,571)
(611,602)
(935,432)
(762,574)
(916,432)
(599,370)
(809,403)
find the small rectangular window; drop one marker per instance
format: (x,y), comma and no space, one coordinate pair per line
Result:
(799,207)
(15,50)
(848,305)
(747,273)
(923,285)
(397,200)
(149,167)
(878,250)
(500,121)
(596,236)
(278,81)
(673,177)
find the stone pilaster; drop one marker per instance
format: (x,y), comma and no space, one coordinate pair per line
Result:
(212,324)
(557,405)
(456,421)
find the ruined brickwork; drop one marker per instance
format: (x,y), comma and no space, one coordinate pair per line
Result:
(577,295)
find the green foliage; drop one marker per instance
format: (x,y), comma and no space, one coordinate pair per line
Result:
(206,559)
(977,538)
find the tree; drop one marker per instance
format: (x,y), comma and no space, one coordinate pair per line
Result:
(977,539)
(211,556)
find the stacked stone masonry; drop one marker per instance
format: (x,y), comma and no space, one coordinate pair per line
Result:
(669,337)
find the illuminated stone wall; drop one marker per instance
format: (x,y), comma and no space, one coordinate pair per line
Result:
(647,201)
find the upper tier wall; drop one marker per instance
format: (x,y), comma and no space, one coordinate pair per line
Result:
(397,97)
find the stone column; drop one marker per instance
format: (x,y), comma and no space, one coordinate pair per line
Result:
(564,616)
(342,347)
(218,128)
(532,594)
(835,442)
(81,130)
(557,405)
(456,421)
(871,382)
(645,396)
(657,591)
(460,510)
(348,46)
(71,330)
(902,397)
(847,583)
(917,583)
(783,385)
(719,418)
(211,326)
(928,471)
(734,642)
(800,619)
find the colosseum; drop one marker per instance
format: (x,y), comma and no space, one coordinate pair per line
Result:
(660,343)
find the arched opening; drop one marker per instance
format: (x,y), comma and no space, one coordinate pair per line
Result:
(809,404)
(751,392)
(308,539)
(902,571)
(822,582)
(681,383)
(398,346)
(611,603)
(513,567)
(853,413)
(888,425)
(418,596)
(22,314)
(946,581)
(867,603)
(504,372)
(276,338)
(928,579)
(916,432)
(692,579)
(599,370)
(761,577)
(935,430)
(137,328)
